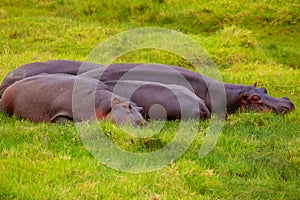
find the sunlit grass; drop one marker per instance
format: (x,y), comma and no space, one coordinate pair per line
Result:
(256,155)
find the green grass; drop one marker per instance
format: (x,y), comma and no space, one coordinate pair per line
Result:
(257,155)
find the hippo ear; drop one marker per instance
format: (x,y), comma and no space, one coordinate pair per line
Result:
(140,109)
(127,106)
(115,101)
(254,85)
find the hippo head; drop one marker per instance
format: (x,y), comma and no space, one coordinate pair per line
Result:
(125,112)
(258,99)
(11,78)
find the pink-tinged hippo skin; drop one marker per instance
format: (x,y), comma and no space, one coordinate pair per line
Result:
(49,67)
(175,102)
(50,98)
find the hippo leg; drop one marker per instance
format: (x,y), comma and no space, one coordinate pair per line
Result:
(61,119)
(1,106)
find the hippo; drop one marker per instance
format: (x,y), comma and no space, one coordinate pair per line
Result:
(50,98)
(49,67)
(238,97)
(166,101)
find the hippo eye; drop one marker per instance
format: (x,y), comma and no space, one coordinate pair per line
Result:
(244,97)
(116,101)
(255,98)
(265,90)
(127,106)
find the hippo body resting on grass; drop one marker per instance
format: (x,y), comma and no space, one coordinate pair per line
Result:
(48,98)
(161,101)
(237,96)
(49,67)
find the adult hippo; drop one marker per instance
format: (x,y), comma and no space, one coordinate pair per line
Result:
(48,98)
(49,67)
(161,101)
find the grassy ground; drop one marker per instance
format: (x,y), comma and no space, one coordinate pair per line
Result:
(257,155)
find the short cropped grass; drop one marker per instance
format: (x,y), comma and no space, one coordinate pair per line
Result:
(257,154)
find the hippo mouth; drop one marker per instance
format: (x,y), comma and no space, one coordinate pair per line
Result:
(281,106)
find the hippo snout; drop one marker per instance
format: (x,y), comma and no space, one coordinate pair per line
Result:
(284,106)
(140,123)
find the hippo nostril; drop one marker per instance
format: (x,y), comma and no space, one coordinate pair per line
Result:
(289,107)
(283,109)
(292,106)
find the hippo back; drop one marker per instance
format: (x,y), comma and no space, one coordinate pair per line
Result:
(49,67)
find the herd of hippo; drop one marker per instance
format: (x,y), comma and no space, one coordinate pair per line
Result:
(61,90)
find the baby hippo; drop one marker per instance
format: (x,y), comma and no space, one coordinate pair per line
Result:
(161,101)
(61,97)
